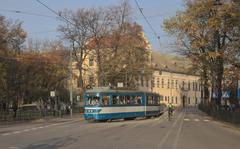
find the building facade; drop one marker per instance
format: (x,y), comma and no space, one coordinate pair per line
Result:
(177,88)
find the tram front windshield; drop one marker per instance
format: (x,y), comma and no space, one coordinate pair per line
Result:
(92,101)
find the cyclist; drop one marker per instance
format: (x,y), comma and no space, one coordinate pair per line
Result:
(170,110)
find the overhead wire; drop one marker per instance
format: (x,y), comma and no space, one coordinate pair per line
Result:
(55,12)
(149,24)
(27,13)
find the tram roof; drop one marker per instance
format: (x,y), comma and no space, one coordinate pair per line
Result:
(109,90)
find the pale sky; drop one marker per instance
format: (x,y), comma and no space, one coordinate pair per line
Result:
(43,27)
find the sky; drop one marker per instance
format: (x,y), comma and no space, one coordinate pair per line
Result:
(45,28)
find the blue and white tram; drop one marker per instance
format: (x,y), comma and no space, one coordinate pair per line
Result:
(106,104)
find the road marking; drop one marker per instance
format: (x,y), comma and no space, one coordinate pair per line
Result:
(13,147)
(15,132)
(206,120)
(178,134)
(26,130)
(160,145)
(196,120)
(36,128)
(186,119)
(6,134)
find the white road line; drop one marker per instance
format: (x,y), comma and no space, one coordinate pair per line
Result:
(6,134)
(13,147)
(36,128)
(196,120)
(26,130)
(178,134)
(186,119)
(16,132)
(160,145)
(206,120)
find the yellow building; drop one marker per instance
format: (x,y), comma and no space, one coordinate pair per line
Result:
(177,88)
(172,79)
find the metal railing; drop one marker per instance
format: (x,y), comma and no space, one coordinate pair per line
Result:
(35,114)
(222,113)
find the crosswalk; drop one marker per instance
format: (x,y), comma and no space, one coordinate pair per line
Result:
(189,119)
(195,120)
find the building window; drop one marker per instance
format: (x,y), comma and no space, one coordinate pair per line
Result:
(168,99)
(172,84)
(165,98)
(193,86)
(172,99)
(176,84)
(162,83)
(189,86)
(91,80)
(196,86)
(153,82)
(158,82)
(91,62)
(142,84)
(188,100)
(183,84)
(146,82)
(168,84)
(176,100)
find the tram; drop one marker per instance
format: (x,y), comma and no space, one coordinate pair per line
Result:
(102,104)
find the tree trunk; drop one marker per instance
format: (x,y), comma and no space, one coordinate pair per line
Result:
(219,80)
(205,86)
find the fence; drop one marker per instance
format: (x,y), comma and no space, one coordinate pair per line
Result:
(35,114)
(222,113)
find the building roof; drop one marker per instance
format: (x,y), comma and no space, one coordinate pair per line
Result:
(174,64)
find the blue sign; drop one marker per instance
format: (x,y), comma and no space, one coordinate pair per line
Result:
(238,91)
(226,94)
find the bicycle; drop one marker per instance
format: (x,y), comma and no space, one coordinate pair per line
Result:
(170,112)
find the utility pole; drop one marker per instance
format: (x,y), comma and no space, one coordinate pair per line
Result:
(70,84)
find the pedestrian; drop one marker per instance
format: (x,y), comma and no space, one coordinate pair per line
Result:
(15,108)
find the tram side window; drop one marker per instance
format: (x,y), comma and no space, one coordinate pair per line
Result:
(105,100)
(150,100)
(92,101)
(115,100)
(122,100)
(156,100)
(126,100)
(138,100)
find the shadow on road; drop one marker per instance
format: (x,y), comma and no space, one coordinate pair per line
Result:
(54,143)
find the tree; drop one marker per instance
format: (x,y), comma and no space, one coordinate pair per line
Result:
(111,38)
(206,30)
(43,70)
(12,37)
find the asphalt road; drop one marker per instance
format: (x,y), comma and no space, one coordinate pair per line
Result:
(189,129)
